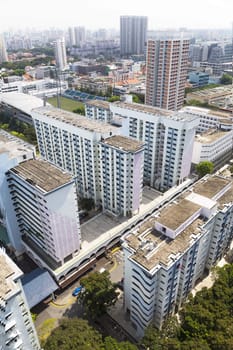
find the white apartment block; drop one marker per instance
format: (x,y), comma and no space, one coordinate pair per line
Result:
(98,110)
(168,138)
(60,54)
(12,152)
(45,204)
(169,251)
(121,174)
(209,119)
(70,141)
(41,87)
(17,331)
(215,146)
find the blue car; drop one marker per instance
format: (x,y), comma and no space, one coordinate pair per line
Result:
(77,291)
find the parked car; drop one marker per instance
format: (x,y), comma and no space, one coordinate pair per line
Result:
(76,291)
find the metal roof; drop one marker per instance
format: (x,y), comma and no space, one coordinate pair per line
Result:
(37,286)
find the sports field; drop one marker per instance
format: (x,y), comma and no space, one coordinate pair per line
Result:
(66,103)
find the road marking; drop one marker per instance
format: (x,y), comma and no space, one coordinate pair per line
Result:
(61,306)
(114,266)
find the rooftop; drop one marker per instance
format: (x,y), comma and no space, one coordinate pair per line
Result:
(211,136)
(151,248)
(212,93)
(42,174)
(155,111)
(175,214)
(98,103)
(23,102)
(212,186)
(124,143)
(76,120)
(8,272)
(13,145)
(164,249)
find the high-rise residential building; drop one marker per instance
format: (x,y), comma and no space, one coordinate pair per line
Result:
(167,62)
(3,52)
(168,137)
(17,330)
(44,199)
(13,151)
(121,174)
(167,254)
(90,150)
(71,36)
(133,35)
(70,141)
(60,54)
(79,36)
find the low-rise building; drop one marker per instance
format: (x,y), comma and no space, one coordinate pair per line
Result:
(215,145)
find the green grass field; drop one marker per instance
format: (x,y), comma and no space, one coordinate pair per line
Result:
(66,103)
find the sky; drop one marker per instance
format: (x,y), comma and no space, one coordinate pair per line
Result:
(95,14)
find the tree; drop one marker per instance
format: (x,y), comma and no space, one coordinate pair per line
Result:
(86,203)
(226,79)
(79,110)
(73,334)
(114,98)
(112,344)
(205,167)
(98,294)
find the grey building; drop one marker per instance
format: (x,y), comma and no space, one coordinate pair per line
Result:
(133,35)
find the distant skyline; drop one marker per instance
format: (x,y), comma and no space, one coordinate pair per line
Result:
(202,14)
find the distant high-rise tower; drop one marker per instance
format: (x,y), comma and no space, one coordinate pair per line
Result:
(167,62)
(60,54)
(3,53)
(71,36)
(133,35)
(79,35)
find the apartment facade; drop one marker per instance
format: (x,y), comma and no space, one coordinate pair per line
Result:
(133,35)
(13,151)
(168,138)
(17,331)
(210,119)
(60,54)
(215,145)
(70,141)
(44,199)
(167,62)
(98,110)
(3,52)
(121,174)
(169,252)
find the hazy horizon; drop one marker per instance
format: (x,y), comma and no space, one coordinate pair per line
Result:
(168,14)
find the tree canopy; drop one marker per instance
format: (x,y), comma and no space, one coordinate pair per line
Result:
(226,79)
(77,334)
(99,293)
(73,334)
(205,167)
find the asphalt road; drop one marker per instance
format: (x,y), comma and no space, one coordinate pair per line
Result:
(65,305)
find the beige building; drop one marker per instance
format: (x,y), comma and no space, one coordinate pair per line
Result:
(167,62)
